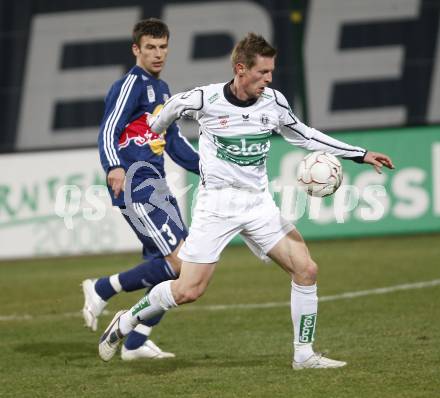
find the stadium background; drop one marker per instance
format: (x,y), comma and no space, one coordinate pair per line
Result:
(368,72)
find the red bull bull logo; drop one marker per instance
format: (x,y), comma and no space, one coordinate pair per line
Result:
(140,134)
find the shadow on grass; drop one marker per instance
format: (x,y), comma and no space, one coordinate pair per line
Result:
(69,350)
(78,351)
(160,367)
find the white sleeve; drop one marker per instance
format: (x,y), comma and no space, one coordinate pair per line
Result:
(189,103)
(297,133)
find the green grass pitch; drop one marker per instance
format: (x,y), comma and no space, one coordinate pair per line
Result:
(391,341)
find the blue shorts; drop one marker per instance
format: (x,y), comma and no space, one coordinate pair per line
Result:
(159,229)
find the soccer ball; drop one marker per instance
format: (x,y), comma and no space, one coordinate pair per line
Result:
(319,174)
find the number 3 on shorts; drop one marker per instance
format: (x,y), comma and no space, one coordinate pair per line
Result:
(171,237)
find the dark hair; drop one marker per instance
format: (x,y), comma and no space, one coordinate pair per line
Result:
(150,27)
(249,47)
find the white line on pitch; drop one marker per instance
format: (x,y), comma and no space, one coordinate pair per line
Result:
(342,296)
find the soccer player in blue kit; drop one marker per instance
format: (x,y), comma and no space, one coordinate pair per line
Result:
(132,158)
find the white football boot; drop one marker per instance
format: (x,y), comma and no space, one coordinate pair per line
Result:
(110,340)
(93,304)
(318,361)
(148,350)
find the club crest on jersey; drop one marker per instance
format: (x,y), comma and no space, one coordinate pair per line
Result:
(151,94)
(264,119)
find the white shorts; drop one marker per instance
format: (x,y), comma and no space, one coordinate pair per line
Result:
(221,214)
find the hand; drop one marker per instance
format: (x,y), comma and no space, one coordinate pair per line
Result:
(116,180)
(378,160)
(150,118)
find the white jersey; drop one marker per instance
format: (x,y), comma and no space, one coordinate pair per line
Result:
(235,135)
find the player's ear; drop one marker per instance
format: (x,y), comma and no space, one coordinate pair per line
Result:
(240,69)
(135,49)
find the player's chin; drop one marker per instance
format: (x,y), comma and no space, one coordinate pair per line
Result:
(258,92)
(157,68)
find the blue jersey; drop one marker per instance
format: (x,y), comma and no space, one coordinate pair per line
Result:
(124,137)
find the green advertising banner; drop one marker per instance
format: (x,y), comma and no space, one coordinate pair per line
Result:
(401,201)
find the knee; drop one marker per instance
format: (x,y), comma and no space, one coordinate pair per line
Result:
(312,270)
(308,274)
(189,294)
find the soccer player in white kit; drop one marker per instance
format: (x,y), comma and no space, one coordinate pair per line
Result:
(236,120)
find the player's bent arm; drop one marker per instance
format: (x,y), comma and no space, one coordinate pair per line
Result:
(180,150)
(120,103)
(299,134)
(189,103)
(309,138)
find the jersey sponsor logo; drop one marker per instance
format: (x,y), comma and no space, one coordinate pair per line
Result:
(307,328)
(139,133)
(244,150)
(245,117)
(151,94)
(267,96)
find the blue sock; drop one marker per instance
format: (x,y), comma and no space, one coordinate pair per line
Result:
(153,321)
(147,274)
(135,339)
(104,288)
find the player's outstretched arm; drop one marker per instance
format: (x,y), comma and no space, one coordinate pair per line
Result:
(378,160)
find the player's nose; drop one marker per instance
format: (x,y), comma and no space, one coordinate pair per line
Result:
(268,77)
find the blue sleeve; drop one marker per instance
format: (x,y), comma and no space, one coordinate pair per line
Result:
(180,150)
(120,104)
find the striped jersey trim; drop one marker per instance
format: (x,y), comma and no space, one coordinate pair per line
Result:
(186,141)
(112,121)
(155,234)
(343,148)
(170,271)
